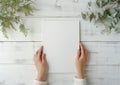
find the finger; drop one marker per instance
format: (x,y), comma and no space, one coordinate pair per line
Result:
(36,58)
(82,50)
(43,58)
(40,51)
(78,54)
(86,53)
(36,52)
(79,49)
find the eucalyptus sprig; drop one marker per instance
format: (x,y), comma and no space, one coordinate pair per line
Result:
(10,14)
(107,13)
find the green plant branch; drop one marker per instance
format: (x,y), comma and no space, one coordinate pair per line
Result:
(109,17)
(10,13)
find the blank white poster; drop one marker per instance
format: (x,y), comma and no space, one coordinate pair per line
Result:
(61,41)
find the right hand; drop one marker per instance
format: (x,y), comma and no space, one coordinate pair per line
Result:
(80,61)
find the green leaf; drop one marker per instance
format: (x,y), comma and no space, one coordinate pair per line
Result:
(89,3)
(107,29)
(4,32)
(83,15)
(102,3)
(117,29)
(98,2)
(92,16)
(23,29)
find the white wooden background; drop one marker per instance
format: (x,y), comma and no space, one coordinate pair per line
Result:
(16,53)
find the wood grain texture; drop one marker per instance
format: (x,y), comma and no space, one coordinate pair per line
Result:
(16,53)
(25,74)
(100,53)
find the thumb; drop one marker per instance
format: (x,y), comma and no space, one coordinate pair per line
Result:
(43,58)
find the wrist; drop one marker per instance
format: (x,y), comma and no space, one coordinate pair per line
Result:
(40,77)
(80,74)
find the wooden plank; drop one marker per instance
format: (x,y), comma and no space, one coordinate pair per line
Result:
(95,75)
(89,32)
(101,53)
(34,29)
(59,8)
(16,53)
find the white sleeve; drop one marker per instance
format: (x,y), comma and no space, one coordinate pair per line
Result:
(39,83)
(79,81)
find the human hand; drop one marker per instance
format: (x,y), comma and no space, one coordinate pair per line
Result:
(80,61)
(41,64)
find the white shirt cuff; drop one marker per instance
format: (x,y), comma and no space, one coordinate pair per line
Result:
(79,81)
(40,82)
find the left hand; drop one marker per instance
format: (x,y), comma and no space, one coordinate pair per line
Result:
(41,64)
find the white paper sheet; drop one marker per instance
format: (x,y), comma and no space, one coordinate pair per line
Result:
(60,40)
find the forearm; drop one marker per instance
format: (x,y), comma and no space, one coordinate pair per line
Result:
(78,81)
(36,82)
(79,78)
(41,77)
(40,80)
(80,74)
